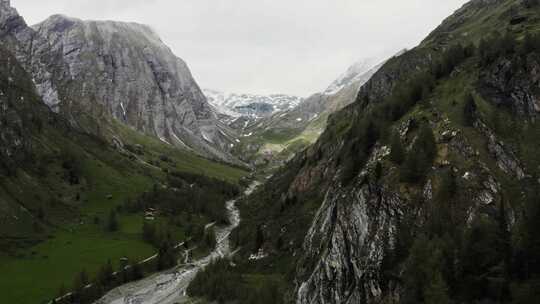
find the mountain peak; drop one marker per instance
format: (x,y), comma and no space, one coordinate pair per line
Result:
(350,76)
(61,22)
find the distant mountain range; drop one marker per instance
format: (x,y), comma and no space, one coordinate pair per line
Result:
(251,105)
(278,135)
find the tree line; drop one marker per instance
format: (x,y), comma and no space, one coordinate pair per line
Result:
(221,282)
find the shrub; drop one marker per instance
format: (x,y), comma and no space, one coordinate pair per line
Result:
(469,111)
(397,153)
(420,158)
(112,222)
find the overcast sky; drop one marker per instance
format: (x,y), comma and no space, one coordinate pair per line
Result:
(266,46)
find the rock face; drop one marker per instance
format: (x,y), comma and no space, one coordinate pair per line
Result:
(102,71)
(346,241)
(514,85)
(14,122)
(33,52)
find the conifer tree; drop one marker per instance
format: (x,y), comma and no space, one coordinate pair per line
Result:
(397,153)
(469,111)
(112,222)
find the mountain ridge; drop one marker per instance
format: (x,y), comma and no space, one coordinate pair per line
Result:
(92,71)
(432,165)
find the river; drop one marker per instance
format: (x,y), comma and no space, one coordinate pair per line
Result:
(169,287)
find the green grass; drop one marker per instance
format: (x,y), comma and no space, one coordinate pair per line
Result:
(485,20)
(72,241)
(43,268)
(184,161)
(47,266)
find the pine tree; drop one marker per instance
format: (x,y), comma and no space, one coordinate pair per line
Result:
(426,143)
(531,237)
(423,279)
(421,156)
(105,274)
(210,238)
(166,257)
(469,111)
(259,238)
(62,291)
(81,281)
(149,233)
(136,272)
(397,153)
(436,292)
(447,188)
(112,223)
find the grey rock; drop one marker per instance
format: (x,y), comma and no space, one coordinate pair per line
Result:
(506,160)
(95,72)
(346,241)
(514,85)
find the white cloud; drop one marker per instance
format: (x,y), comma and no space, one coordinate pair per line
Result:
(267,46)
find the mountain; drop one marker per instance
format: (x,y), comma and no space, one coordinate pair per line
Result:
(61,186)
(65,189)
(98,73)
(359,72)
(425,188)
(278,137)
(250,105)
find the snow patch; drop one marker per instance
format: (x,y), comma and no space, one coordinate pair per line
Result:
(164,140)
(123,109)
(207,137)
(230,103)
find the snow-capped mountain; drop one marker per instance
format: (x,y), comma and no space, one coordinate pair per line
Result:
(251,105)
(359,72)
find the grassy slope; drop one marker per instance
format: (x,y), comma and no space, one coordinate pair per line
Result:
(36,273)
(184,161)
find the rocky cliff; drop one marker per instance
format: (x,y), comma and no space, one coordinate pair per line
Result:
(103,71)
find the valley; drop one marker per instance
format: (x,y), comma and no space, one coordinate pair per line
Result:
(171,286)
(409,179)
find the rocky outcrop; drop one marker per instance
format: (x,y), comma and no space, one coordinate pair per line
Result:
(344,246)
(14,141)
(513,84)
(506,160)
(34,53)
